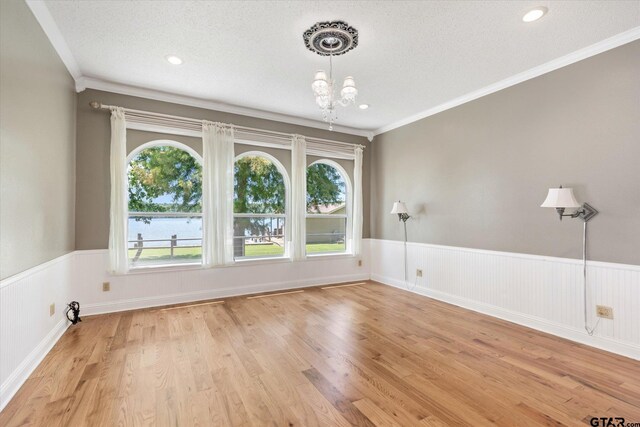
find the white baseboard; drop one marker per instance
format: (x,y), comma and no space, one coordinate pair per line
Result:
(625,349)
(13,383)
(225,292)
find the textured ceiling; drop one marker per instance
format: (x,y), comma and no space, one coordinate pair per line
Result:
(412,56)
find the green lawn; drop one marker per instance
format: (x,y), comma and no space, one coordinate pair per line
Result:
(325,247)
(188,254)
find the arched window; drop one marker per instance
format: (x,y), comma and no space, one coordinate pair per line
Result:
(165,210)
(328,208)
(261,191)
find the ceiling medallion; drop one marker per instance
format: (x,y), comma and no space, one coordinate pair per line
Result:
(331,39)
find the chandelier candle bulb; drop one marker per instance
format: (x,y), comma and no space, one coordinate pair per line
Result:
(322,101)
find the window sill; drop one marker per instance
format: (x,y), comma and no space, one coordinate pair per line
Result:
(161,268)
(259,261)
(329,255)
(238,263)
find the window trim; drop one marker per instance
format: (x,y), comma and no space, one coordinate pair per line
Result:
(151,144)
(287,204)
(349,209)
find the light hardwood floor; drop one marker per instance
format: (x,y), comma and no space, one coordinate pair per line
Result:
(358,355)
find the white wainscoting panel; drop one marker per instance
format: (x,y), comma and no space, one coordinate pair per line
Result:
(139,289)
(544,293)
(27,332)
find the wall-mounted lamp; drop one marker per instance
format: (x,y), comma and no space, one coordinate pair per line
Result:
(400,209)
(563,198)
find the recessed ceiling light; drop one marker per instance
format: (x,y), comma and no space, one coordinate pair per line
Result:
(173,59)
(363,106)
(535,14)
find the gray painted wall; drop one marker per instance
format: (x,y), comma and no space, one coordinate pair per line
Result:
(475,176)
(37,145)
(92,161)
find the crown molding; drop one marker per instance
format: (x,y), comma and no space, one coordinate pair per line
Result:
(46,21)
(50,28)
(578,55)
(83,83)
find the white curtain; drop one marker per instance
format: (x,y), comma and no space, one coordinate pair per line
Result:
(217,194)
(357,202)
(118,261)
(298,197)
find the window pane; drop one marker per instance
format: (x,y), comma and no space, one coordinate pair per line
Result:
(164,240)
(326,235)
(164,179)
(258,237)
(258,186)
(259,192)
(165,212)
(326,190)
(326,210)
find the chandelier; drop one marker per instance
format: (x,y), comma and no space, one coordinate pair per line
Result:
(331,39)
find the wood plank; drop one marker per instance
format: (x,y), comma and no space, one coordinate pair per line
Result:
(347,409)
(332,355)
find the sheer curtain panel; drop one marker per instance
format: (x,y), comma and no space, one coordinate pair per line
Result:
(298,197)
(217,194)
(357,202)
(118,260)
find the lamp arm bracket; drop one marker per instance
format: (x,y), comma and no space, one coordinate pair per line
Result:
(403,217)
(585,213)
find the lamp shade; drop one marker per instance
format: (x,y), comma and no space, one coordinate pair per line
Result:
(560,198)
(320,75)
(349,90)
(320,84)
(399,208)
(349,82)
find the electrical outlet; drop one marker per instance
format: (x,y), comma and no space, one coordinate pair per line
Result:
(604,311)
(418,273)
(52,309)
(359,263)
(106,286)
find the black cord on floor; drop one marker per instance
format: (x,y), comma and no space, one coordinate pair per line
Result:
(74,309)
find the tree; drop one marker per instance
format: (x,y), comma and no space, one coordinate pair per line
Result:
(168,179)
(325,186)
(259,188)
(165,179)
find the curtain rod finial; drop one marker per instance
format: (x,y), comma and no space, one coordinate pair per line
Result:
(95,105)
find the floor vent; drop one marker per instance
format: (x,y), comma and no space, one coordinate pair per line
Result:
(274,295)
(344,286)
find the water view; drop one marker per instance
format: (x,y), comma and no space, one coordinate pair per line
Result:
(164,228)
